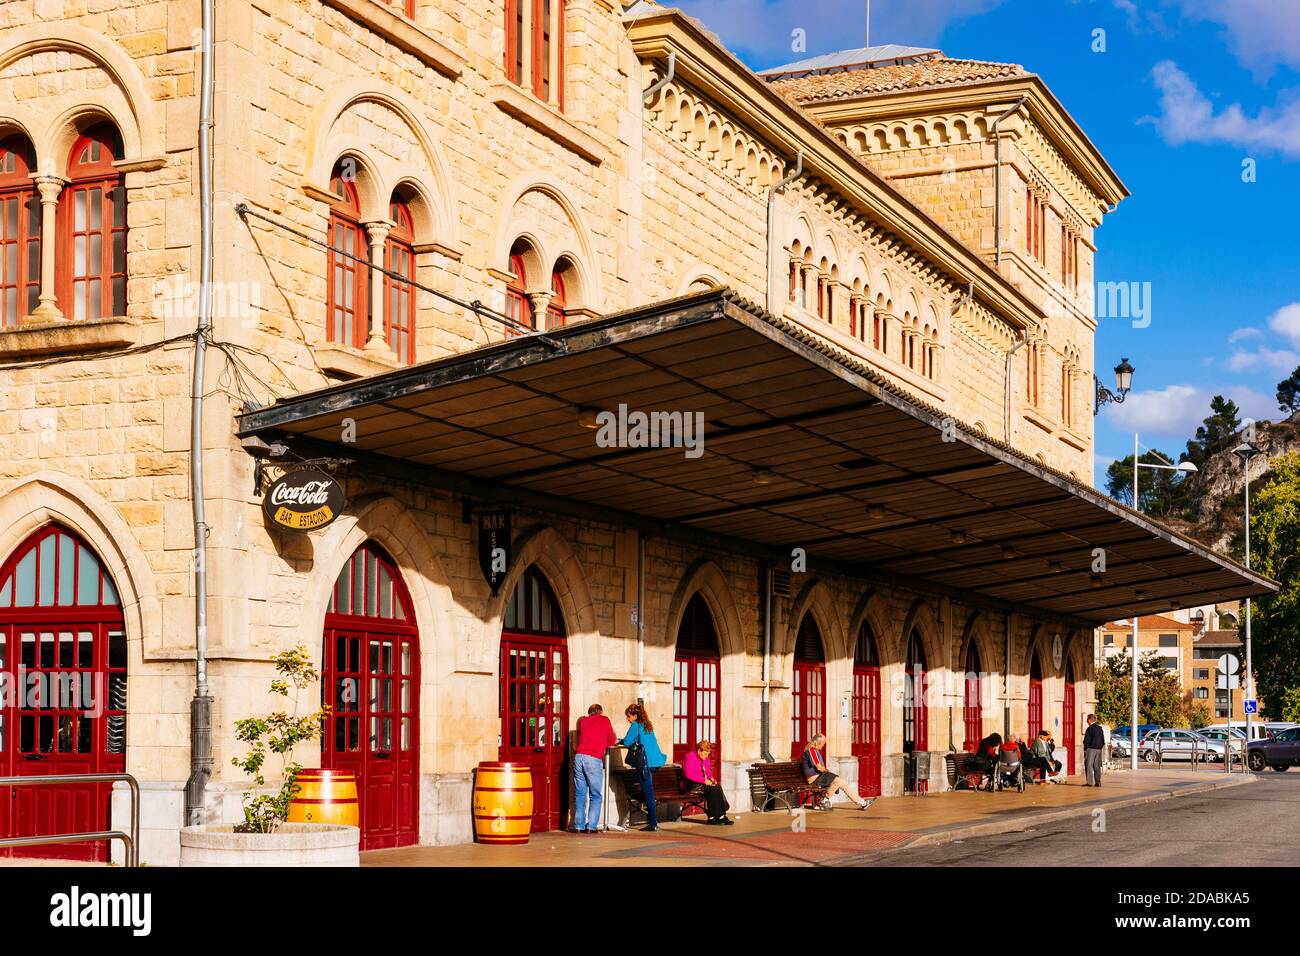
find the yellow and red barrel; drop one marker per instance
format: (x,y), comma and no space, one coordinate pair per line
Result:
(503,802)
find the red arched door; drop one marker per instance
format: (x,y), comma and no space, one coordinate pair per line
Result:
(866,712)
(697,685)
(973,706)
(809,686)
(1068,721)
(1035,699)
(372,671)
(915,712)
(535,695)
(63,710)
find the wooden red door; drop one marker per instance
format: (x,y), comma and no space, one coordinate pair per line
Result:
(865,713)
(371,678)
(973,706)
(915,711)
(534,701)
(1068,720)
(64,660)
(697,685)
(1035,700)
(809,689)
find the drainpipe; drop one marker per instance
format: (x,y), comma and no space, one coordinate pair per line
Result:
(771,207)
(1006,684)
(945,605)
(997,182)
(640,612)
(765,719)
(201,705)
(653,89)
(1006,420)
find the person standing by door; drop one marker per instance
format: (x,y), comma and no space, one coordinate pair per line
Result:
(644,756)
(595,736)
(1094,743)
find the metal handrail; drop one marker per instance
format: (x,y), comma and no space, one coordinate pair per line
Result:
(131,841)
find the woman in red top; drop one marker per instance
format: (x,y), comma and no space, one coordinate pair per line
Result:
(698,769)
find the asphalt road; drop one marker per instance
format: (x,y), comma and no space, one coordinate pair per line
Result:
(1257,824)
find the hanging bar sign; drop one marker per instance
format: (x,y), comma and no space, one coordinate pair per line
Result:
(303,500)
(494,546)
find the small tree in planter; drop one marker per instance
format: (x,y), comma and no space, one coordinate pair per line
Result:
(279,733)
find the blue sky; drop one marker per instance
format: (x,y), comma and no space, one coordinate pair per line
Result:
(1184,94)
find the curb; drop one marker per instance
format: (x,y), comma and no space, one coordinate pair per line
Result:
(994,827)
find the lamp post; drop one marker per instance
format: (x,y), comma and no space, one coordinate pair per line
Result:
(1186,468)
(1246,451)
(1123,382)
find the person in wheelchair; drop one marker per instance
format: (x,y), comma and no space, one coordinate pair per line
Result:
(1011,769)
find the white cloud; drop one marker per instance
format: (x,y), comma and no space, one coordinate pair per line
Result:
(1262,34)
(1188,116)
(1286,321)
(1264,359)
(1239,335)
(1176,410)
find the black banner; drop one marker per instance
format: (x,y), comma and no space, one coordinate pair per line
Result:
(494,546)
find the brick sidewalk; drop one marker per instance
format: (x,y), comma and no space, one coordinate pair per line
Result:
(780,838)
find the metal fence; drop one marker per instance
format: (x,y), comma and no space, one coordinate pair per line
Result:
(130,841)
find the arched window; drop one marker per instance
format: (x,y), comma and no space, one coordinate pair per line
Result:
(794,279)
(809,686)
(866,712)
(1035,696)
(518,306)
(20,232)
(1069,719)
(399,297)
(973,707)
(696,683)
(556,309)
(915,735)
(63,647)
(346,296)
(92,231)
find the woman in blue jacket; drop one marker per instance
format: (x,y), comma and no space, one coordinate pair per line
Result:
(642,731)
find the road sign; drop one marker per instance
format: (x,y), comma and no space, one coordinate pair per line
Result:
(1228,664)
(1250,706)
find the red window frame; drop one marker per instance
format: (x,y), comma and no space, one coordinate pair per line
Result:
(915,710)
(1035,697)
(407,7)
(794,280)
(514,45)
(697,685)
(557,308)
(60,619)
(399,297)
(972,711)
(20,232)
(92,229)
(519,306)
(1069,718)
(876,341)
(348,285)
(866,712)
(808,689)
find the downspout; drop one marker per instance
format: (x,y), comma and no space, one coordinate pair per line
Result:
(945,603)
(653,89)
(1006,684)
(640,612)
(201,705)
(765,723)
(771,207)
(997,182)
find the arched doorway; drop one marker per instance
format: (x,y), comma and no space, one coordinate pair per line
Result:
(915,713)
(973,706)
(866,712)
(1069,719)
(534,702)
(1035,698)
(63,656)
(696,684)
(372,681)
(809,686)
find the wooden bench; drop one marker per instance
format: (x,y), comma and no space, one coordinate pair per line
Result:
(785,783)
(959,768)
(670,787)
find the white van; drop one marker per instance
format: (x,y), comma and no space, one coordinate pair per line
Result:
(1258,731)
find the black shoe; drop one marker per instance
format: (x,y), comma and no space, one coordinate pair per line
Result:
(726,822)
(651,830)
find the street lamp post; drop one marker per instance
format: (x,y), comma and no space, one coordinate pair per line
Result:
(1186,468)
(1246,451)
(1123,382)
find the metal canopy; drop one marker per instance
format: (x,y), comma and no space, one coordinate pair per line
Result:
(805,446)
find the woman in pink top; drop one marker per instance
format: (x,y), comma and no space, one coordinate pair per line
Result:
(698,769)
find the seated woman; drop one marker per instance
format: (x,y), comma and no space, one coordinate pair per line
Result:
(1029,757)
(698,769)
(815,772)
(1043,751)
(986,753)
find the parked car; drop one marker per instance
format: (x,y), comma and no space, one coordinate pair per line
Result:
(1258,731)
(1177,744)
(1143,730)
(1278,752)
(1224,735)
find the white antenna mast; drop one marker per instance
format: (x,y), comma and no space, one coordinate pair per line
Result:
(868,24)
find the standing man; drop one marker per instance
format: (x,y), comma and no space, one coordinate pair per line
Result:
(1094,745)
(595,736)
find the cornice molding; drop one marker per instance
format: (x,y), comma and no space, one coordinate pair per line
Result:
(402,33)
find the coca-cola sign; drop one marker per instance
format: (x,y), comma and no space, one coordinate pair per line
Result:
(303,500)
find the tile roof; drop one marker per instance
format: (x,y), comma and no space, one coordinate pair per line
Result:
(1219,639)
(1147,622)
(927,74)
(847,59)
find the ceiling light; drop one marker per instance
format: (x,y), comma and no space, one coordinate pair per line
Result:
(1056,567)
(875,512)
(589,417)
(761,476)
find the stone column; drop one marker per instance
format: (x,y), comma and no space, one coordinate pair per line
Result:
(49,188)
(806,273)
(540,301)
(377,233)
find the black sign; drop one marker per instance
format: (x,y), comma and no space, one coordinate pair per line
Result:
(494,546)
(303,500)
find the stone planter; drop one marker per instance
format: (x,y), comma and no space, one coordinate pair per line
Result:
(293,844)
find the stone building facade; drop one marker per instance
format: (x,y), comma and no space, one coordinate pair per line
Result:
(494,160)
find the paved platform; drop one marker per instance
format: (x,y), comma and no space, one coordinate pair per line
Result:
(781,838)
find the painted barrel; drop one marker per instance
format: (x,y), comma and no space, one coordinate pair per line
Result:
(325,796)
(503,802)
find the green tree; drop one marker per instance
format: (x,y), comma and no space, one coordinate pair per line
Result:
(1159,697)
(1275,551)
(1216,432)
(1288,707)
(1288,392)
(1195,713)
(1160,490)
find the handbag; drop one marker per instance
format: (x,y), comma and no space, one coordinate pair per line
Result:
(636,756)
